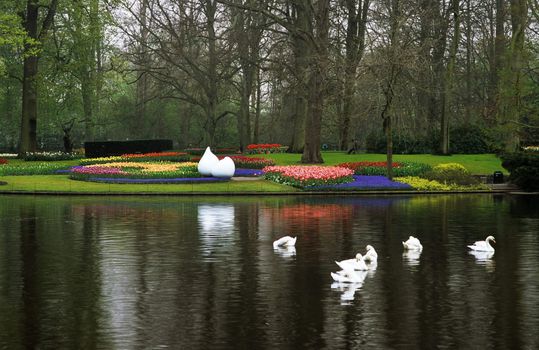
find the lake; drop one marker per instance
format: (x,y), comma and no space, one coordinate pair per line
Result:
(201,273)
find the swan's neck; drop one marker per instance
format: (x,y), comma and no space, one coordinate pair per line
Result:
(488,243)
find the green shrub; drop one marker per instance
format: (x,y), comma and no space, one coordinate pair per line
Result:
(469,139)
(451,173)
(523,168)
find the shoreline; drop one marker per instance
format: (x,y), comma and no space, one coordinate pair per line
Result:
(498,190)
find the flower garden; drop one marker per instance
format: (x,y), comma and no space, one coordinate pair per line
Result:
(181,167)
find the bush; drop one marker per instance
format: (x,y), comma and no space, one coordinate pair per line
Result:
(469,139)
(451,173)
(523,168)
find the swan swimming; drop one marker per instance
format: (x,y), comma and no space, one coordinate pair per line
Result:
(353,264)
(371,255)
(412,244)
(285,241)
(483,246)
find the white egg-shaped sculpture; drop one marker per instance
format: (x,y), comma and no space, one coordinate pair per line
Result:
(224,168)
(207,162)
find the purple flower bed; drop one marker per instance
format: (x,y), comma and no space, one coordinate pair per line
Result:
(248,172)
(363,182)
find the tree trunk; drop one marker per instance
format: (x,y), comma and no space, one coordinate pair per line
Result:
(258,107)
(513,103)
(87,104)
(28,137)
(317,85)
(142,78)
(302,59)
(355,43)
(449,81)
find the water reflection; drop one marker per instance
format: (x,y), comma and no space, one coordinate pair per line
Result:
(285,251)
(411,257)
(216,225)
(193,273)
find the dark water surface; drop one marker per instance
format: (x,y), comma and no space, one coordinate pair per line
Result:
(201,273)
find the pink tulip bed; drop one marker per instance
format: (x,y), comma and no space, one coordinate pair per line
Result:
(308,176)
(329,178)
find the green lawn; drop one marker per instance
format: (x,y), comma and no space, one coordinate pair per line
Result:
(61,183)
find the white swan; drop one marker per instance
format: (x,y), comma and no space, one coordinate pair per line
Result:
(370,256)
(285,241)
(412,244)
(483,246)
(353,264)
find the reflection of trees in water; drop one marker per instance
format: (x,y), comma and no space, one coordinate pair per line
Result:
(81,277)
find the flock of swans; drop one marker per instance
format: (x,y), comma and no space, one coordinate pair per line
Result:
(353,272)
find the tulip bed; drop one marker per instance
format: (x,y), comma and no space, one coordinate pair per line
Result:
(306,176)
(31,168)
(143,157)
(134,170)
(266,148)
(380,168)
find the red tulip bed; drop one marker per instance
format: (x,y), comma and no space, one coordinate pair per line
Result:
(266,148)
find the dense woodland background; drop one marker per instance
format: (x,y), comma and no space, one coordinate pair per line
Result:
(415,75)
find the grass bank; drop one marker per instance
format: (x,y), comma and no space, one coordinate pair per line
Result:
(61,183)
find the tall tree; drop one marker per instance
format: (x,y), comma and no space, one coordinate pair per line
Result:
(35,31)
(510,111)
(449,79)
(356,12)
(317,80)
